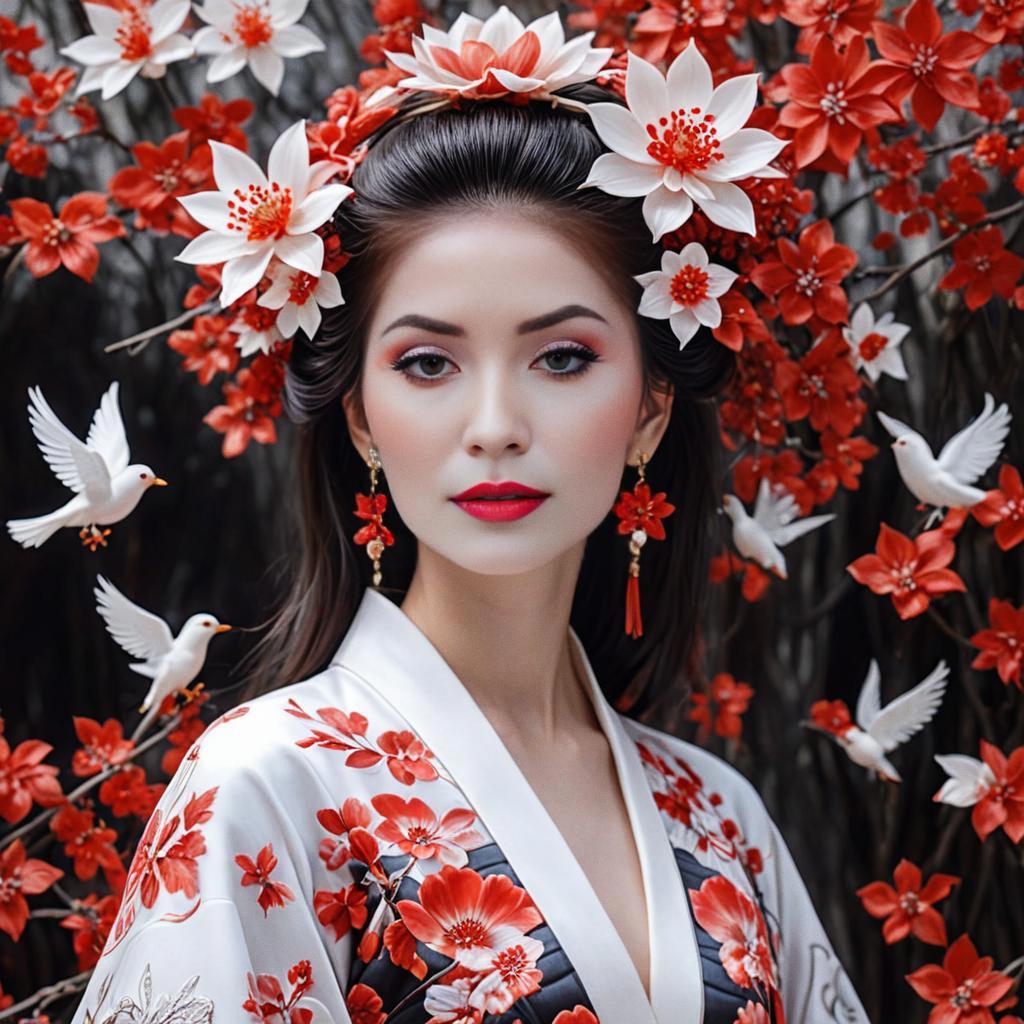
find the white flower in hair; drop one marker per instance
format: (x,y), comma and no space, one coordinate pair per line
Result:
(681,141)
(685,291)
(136,40)
(486,59)
(874,344)
(299,296)
(253,216)
(260,33)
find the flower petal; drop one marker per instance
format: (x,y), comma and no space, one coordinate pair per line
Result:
(267,67)
(226,64)
(665,211)
(708,312)
(656,301)
(93,50)
(745,152)
(316,208)
(646,92)
(684,326)
(243,273)
(619,129)
(288,163)
(234,169)
(304,252)
(732,104)
(689,80)
(731,207)
(296,41)
(720,279)
(618,176)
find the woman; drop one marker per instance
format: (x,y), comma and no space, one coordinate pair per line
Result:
(449,822)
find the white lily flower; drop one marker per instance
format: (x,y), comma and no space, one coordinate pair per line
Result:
(874,344)
(255,337)
(260,33)
(685,291)
(681,141)
(253,216)
(136,40)
(484,59)
(969,780)
(299,296)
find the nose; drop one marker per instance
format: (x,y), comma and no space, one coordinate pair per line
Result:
(496,420)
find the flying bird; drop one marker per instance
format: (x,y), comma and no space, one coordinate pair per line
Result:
(945,482)
(877,731)
(772,526)
(172,662)
(107,487)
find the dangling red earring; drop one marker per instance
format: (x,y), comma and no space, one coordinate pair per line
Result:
(640,515)
(375,535)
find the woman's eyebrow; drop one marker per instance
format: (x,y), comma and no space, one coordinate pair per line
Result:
(556,316)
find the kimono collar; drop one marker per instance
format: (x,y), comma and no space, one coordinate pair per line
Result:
(388,652)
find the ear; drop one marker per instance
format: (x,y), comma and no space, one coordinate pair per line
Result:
(652,421)
(355,417)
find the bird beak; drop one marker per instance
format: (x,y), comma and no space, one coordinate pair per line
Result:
(157,482)
(222,628)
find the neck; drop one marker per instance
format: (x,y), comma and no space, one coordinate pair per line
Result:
(507,640)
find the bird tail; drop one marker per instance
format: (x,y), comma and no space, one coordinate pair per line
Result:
(33,533)
(887,771)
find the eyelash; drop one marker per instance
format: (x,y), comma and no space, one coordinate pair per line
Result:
(581,351)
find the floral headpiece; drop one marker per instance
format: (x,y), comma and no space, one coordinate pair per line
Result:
(679,142)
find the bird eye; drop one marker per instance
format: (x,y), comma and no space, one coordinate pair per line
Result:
(142,476)
(207,623)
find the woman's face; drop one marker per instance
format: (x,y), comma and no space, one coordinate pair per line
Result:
(497,353)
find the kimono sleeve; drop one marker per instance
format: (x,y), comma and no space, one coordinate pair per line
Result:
(217,920)
(815,986)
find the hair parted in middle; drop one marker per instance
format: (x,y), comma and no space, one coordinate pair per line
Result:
(529,158)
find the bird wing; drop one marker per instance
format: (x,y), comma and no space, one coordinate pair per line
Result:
(106,432)
(970,451)
(774,511)
(74,465)
(141,633)
(902,717)
(895,427)
(869,701)
(774,507)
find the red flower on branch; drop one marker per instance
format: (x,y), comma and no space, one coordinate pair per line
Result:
(722,708)
(983,265)
(912,570)
(102,745)
(127,792)
(755,580)
(804,277)
(838,20)
(964,988)
(823,385)
(70,238)
(23,779)
(1002,645)
(162,174)
(216,120)
(1003,508)
(930,67)
(89,845)
(91,923)
(209,346)
(833,101)
(908,908)
(21,877)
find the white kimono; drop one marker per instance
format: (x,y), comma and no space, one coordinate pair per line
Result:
(360,847)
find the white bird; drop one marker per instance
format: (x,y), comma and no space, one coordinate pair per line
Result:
(106,486)
(945,482)
(878,731)
(772,526)
(172,662)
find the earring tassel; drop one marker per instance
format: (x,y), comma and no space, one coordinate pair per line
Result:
(634,624)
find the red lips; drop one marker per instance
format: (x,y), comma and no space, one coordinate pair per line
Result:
(500,489)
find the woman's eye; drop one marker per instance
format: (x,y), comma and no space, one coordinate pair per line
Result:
(568,360)
(430,362)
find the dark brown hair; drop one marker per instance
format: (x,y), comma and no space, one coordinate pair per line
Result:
(486,156)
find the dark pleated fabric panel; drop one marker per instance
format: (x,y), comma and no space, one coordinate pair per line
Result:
(722,996)
(560,986)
